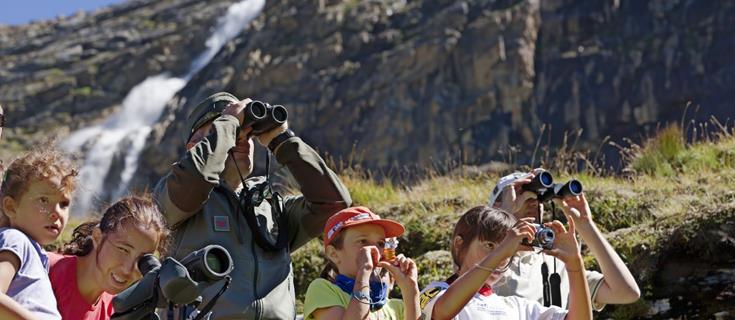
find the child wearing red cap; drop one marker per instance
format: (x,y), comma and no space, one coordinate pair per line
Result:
(348,288)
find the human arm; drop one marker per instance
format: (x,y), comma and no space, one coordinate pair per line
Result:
(566,249)
(183,191)
(9,309)
(405,273)
(618,284)
(355,309)
(461,291)
(323,193)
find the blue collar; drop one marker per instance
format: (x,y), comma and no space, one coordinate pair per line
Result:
(378,290)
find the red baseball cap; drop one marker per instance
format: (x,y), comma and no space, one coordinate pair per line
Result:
(356,216)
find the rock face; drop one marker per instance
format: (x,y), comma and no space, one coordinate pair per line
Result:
(65,74)
(390,83)
(387,83)
(395,83)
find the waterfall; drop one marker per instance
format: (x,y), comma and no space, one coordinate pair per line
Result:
(125,132)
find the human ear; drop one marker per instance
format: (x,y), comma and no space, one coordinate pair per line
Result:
(96,237)
(332,254)
(9,207)
(457,242)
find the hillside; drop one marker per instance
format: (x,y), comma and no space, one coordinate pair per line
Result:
(674,227)
(672,220)
(402,83)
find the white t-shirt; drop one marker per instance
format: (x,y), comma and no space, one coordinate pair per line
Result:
(523,279)
(490,307)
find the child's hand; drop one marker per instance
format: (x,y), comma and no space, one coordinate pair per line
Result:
(576,208)
(367,259)
(523,229)
(566,247)
(404,272)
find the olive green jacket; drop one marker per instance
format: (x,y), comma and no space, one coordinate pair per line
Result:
(203,210)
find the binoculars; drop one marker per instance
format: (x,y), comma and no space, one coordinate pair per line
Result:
(177,282)
(543,238)
(544,187)
(263,117)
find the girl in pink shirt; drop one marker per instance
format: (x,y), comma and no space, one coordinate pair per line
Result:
(100,260)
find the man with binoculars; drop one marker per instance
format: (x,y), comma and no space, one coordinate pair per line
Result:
(207,201)
(542,278)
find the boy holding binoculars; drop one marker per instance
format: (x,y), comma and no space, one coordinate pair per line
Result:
(542,278)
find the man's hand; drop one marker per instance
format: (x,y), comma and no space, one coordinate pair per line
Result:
(266,137)
(237,109)
(513,197)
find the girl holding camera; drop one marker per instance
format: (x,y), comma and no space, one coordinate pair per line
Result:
(484,241)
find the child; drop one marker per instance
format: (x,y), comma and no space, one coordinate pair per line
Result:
(36,195)
(100,260)
(483,243)
(353,242)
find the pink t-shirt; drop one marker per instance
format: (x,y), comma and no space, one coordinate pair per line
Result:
(71,305)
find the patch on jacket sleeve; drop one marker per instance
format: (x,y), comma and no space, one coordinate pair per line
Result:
(221,223)
(428,295)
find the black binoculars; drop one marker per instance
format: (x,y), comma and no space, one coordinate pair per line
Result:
(180,283)
(544,187)
(263,117)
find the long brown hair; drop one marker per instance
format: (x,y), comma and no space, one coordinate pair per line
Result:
(131,210)
(483,222)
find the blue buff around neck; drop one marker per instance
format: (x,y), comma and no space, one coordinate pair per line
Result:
(378,290)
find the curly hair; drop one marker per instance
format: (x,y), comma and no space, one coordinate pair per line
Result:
(131,210)
(39,165)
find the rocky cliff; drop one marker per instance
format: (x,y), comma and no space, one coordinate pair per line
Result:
(66,74)
(417,83)
(368,80)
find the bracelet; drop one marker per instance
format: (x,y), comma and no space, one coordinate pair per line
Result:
(280,139)
(481,267)
(362,297)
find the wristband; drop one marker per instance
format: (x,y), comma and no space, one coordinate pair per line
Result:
(280,139)
(362,297)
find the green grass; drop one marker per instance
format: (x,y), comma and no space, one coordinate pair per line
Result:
(677,200)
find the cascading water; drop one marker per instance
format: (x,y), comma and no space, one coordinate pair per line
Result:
(126,131)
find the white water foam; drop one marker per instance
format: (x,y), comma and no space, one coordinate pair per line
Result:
(125,132)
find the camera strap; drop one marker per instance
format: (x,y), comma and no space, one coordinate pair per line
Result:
(252,198)
(210,305)
(555,278)
(551,285)
(545,282)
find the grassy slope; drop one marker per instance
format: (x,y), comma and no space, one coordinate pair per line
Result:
(672,202)
(677,201)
